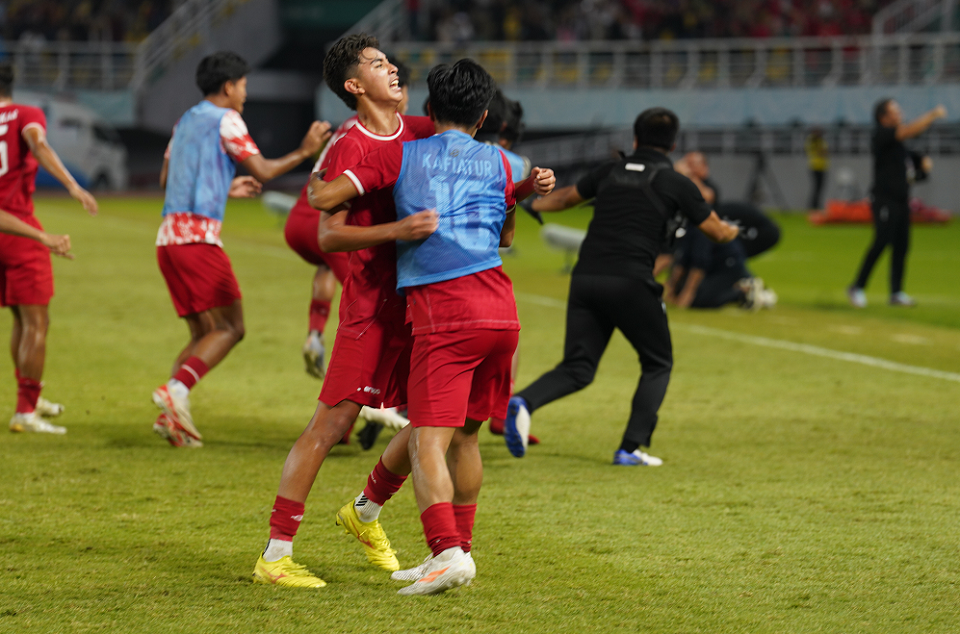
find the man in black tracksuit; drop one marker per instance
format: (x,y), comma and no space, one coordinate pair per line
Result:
(894,168)
(636,206)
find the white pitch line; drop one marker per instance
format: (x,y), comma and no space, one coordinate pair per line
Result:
(782,344)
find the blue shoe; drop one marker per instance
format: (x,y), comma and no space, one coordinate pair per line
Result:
(636,459)
(516,427)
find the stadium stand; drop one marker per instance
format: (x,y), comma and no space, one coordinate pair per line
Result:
(579,20)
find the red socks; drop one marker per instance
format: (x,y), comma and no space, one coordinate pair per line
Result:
(285,519)
(464,515)
(28,393)
(192,370)
(319,312)
(382,484)
(440,527)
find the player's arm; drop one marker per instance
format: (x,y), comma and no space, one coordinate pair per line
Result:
(36,139)
(163,172)
(59,245)
(670,288)
(718,230)
(264,169)
(327,196)
(334,234)
(685,298)
(541,182)
(919,125)
(559,199)
(509,228)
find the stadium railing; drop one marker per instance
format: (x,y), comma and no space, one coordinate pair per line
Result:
(74,65)
(913,16)
(922,58)
(118,65)
(590,148)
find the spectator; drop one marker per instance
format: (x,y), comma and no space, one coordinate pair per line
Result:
(818,158)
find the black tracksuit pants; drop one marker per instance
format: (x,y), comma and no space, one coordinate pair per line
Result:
(891,222)
(597,305)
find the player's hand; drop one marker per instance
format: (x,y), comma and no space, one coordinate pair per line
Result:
(733,230)
(418,226)
(85,198)
(58,245)
(926,164)
(543,180)
(940,112)
(316,136)
(245,187)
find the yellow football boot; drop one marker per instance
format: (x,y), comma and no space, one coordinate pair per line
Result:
(284,572)
(371,535)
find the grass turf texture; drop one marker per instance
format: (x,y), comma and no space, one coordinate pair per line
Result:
(799,494)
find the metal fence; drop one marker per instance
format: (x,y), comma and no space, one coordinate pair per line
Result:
(920,59)
(593,147)
(721,63)
(74,65)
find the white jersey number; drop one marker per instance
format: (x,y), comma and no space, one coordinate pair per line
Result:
(4,161)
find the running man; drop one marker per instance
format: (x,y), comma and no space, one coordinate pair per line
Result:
(459,301)
(198,174)
(26,275)
(370,359)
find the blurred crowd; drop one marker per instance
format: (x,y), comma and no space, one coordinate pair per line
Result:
(81,20)
(460,21)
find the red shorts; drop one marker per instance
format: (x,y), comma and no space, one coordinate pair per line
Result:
(301,234)
(26,275)
(372,368)
(460,375)
(199,277)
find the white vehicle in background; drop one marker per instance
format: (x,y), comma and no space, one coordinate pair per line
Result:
(90,147)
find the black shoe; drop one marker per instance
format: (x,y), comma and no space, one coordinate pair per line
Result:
(369,434)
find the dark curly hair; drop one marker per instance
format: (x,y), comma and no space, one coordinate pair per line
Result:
(342,61)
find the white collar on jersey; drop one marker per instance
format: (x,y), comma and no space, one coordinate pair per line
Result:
(379,137)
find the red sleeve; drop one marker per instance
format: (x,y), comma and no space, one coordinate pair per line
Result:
(236,138)
(420,127)
(30,116)
(378,169)
(510,193)
(345,154)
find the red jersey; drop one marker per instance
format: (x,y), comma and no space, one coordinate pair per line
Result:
(477,301)
(302,206)
(371,287)
(18,167)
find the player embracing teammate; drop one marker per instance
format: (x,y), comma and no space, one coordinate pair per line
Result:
(370,359)
(459,302)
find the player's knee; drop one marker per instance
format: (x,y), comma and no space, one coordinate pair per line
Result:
(582,374)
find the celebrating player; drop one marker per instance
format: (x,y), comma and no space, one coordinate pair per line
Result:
(370,359)
(198,174)
(459,300)
(26,276)
(301,234)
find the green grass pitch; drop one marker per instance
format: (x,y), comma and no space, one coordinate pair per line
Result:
(800,493)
